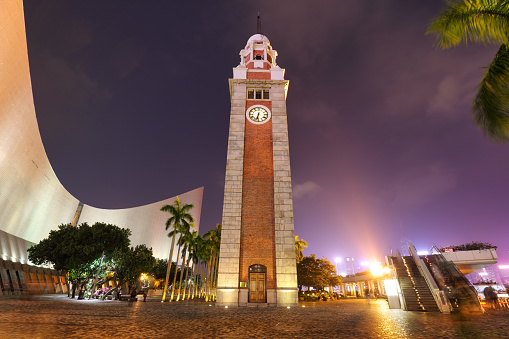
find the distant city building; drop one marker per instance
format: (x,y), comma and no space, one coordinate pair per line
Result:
(350,265)
(490,274)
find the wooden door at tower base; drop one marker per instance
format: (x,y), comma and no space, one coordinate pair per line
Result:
(257,287)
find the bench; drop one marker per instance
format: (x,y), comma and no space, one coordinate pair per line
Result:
(127,297)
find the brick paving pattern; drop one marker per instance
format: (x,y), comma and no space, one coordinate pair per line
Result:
(61,317)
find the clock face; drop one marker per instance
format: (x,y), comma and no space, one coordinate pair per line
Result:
(258,115)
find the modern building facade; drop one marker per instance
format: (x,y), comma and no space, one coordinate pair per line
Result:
(32,200)
(257,258)
(350,265)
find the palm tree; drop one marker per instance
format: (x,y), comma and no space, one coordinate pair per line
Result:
(486,22)
(299,247)
(213,244)
(216,239)
(192,259)
(183,230)
(180,217)
(198,256)
(187,238)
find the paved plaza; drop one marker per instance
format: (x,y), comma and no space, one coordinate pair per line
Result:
(56,316)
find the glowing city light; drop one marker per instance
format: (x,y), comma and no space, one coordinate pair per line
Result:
(503,267)
(364,263)
(378,270)
(483,273)
(422,252)
(337,260)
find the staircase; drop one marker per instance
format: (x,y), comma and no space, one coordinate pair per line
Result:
(415,290)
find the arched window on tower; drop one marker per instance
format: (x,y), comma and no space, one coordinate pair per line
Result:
(257,268)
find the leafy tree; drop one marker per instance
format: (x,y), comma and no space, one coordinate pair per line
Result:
(130,263)
(108,239)
(159,271)
(316,272)
(486,22)
(299,247)
(180,217)
(78,250)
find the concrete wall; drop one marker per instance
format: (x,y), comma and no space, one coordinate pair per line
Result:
(17,278)
(32,199)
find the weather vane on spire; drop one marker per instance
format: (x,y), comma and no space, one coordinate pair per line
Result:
(258,24)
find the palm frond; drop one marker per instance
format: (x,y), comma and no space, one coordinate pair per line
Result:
(480,21)
(491,104)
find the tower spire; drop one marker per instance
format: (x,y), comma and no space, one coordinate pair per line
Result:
(258,24)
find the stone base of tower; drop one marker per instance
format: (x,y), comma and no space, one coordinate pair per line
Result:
(288,298)
(227,297)
(235,297)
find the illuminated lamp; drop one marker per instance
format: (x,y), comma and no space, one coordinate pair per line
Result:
(391,287)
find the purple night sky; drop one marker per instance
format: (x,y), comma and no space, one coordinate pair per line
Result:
(133,106)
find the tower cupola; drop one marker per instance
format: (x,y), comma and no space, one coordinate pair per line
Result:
(258,57)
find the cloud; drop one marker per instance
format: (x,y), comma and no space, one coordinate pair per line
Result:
(318,112)
(423,184)
(76,89)
(452,93)
(129,56)
(309,188)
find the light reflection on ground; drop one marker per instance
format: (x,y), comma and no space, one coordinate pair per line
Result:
(57,316)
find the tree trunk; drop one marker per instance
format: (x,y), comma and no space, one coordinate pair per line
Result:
(207,283)
(68,283)
(175,277)
(169,268)
(209,277)
(192,287)
(73,290)
(196,279)
(214,279)
(184,253)
(202,278)
(97,273)
(187,276)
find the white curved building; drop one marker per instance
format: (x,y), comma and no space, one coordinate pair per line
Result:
(32,200)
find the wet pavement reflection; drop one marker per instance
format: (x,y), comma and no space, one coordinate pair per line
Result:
(56,316)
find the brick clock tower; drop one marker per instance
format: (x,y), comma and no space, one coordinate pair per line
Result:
(257,263)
